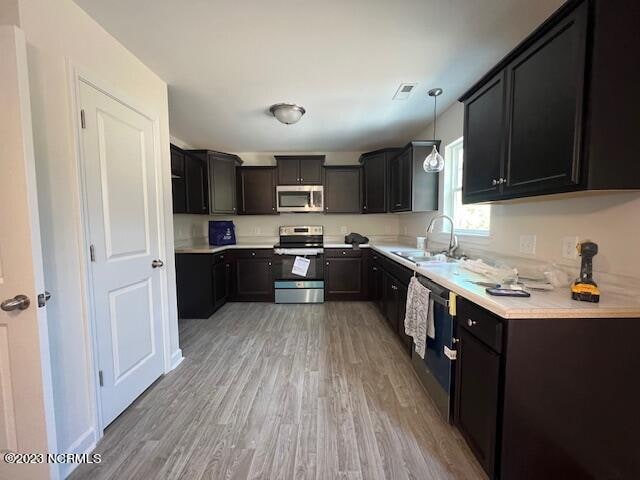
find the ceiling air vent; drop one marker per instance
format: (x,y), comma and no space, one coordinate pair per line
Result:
(404,91)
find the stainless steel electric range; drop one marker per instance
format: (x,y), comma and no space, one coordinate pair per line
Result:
(299,265)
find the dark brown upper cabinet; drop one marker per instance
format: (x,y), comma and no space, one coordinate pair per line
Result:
(550,117)
(256,190)
(222,179)
(484,117)
(342,189)
(300,169)
(375,178)
(190,182)
(178,180)
(411,189)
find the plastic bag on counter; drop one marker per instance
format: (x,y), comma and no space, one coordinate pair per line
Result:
(501,273)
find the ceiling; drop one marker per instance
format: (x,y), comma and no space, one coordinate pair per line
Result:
(226,62)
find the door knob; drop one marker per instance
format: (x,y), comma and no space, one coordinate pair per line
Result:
(157,264)
(19,302)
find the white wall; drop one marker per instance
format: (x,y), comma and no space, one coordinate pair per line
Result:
(195,227)
(57,30)
(610,219)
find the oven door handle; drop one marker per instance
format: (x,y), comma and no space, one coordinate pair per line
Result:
(302,252)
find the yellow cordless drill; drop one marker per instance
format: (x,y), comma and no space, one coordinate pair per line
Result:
(584,288)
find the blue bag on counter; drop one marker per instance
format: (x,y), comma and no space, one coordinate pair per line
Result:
(222,232)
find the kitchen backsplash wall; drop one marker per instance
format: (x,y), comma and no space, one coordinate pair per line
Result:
(188,228)
(611,219)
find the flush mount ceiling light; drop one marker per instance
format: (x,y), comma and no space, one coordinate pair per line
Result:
(287,113)
(434,162)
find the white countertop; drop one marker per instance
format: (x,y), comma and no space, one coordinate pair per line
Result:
(542,304)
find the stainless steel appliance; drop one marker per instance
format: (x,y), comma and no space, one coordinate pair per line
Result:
(300,198)
(436,370)
(299,241)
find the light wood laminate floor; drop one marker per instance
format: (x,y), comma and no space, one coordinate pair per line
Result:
(287,392)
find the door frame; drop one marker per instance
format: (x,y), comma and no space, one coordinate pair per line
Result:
(77,75)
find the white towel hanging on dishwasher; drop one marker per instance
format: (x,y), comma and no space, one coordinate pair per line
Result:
(418,319)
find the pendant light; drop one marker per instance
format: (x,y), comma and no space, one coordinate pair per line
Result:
(434,162)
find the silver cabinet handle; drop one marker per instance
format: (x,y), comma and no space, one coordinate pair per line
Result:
(19,302)
(253,254)
(344,253)
(494,182)
(157,263)
(471,323)
(269,263)
(327,263)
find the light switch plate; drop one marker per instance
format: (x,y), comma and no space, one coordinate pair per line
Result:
(569,247)
(343,229)
(528,244)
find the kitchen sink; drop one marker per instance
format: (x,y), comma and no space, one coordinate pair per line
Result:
(420,256)
(409,253)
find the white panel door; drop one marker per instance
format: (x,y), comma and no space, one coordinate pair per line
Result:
(122,200)
(26,410)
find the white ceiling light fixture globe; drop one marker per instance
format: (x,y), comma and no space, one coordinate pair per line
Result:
(434,162)
(287,113)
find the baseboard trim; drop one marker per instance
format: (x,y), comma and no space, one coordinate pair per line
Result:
(176,358)
(86,443)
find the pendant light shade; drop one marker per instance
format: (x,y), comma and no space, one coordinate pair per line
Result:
(287,113)
(434,162)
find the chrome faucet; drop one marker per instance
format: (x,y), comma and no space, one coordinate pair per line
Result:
(453,239)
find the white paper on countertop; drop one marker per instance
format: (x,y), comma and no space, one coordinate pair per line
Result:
(300,266)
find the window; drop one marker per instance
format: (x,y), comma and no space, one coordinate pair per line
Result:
(467,219)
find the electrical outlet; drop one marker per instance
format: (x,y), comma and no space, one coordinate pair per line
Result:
(343,229)
(257,230)
(569,247)
(405,230)
(528,244)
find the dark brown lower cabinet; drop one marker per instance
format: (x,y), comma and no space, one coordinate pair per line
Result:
(194,285)
(253,275)
(344,275)
(476,408)
(220,280)
(548,398)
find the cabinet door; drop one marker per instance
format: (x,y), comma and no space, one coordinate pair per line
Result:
(178,181)
(222,183)
(545,121)
(194,285)
(254,281)
(342,190)
(311,171)
(400,181)
(401,296)
(476,409)
(288,171)
(343,278)
(375,184)
(484,122)
(390,301)
(197,185)
(256,190)
(219,283)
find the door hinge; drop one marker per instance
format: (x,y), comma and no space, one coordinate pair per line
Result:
(83,121)
(43,298)
(100,379)
(92,252)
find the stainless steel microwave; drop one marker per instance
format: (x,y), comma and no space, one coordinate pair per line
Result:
(300,198)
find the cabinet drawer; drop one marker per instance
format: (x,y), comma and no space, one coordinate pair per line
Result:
(483,325)
(253,253)
(342,252)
